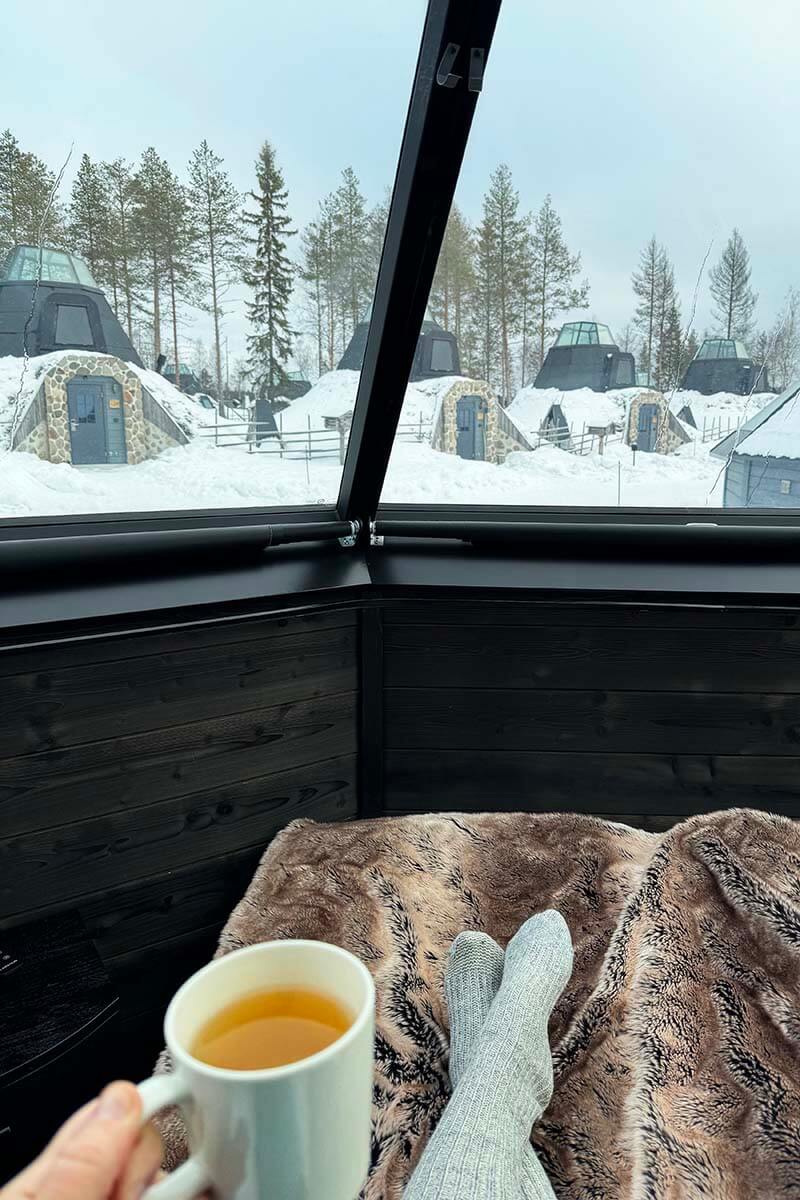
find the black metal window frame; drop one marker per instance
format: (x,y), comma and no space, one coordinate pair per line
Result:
(456,41)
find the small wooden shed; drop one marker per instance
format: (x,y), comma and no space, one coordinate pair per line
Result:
(763,457)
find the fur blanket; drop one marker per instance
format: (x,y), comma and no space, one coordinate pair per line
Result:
(676,1044)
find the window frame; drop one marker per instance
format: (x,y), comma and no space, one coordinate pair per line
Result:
(438,122)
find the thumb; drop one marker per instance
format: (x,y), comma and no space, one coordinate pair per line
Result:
(85,1159)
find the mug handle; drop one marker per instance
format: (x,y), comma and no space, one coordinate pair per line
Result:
(191,1178)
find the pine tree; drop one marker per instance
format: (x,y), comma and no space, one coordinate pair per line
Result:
(123,248)
(353,241)
(654,287)
(312,272)
(90,220)
(180,239)
(691,344)
(500,263)
(780,347)
(378,220)
(216,213)
(269,271)
(454,281)
(152,188)
(670,348)
(734,299)
(548,287)
(29,210)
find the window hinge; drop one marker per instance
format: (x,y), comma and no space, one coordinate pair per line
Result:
(447,77)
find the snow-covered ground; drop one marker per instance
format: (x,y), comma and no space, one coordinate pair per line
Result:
(201,475)
(204,476)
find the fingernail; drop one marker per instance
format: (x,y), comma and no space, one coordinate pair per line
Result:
(116,1102)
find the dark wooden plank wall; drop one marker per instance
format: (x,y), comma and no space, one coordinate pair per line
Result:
(142,777)
(645,714)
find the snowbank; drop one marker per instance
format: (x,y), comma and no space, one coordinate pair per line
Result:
(189,414)
(334,394)
(581,407)
(551,476)
(723,408)
(19,383)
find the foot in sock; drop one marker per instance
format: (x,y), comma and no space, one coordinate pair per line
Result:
(471,982)
(481,1147)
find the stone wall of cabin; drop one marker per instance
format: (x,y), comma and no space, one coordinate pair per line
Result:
(49,438)
(670,433)
(500,434)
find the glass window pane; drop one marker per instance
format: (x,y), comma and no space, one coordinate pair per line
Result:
(442,357)
(280,177)
(622,330)
(72,326)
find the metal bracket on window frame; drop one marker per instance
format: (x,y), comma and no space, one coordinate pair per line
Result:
(445,76)
(477,62)
(375,539)
(348,542)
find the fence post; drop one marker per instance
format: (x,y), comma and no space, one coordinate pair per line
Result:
(308,451)
(341,441)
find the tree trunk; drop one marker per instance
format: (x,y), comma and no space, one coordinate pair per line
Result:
(543,313)
(156,312)
(174,326)
(217,346)
(126,274)
(318,301)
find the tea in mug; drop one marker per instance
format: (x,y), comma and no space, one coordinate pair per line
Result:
(270,1029)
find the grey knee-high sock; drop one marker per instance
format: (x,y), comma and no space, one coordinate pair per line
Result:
(480,1149)
(471,982)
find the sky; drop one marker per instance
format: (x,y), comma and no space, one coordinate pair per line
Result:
(676,120)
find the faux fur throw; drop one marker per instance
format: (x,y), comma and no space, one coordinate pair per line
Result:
(677,1042)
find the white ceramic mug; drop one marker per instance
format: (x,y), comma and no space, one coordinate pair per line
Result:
(297,1132)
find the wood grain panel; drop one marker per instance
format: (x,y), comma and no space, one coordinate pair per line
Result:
(585,614)
(88,648)
(53,708)
(147,913)
(679,660)
(569,721)
(53,866)
(95,778)
(530,781)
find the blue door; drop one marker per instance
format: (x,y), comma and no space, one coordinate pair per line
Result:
(471,427)
(96,422)
(647,433)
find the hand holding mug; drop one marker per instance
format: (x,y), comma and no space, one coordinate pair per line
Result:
(294,1131)
(101,1153)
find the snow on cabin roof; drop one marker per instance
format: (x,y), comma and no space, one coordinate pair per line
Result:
(582,407)
(778,433)
(20,381)
(772,432)
(334,395)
